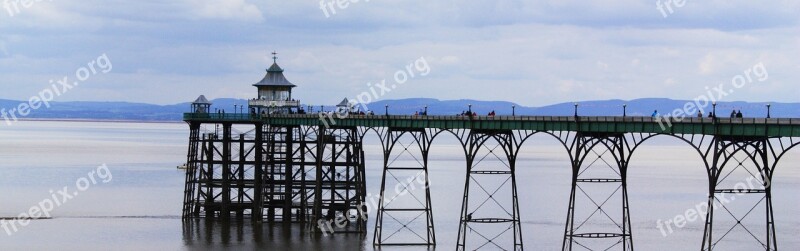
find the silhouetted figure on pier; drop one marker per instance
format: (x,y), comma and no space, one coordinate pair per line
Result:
(733,114)
(739,114)
(655,113)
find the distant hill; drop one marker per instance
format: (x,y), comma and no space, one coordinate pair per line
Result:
(115,110)
(637,107)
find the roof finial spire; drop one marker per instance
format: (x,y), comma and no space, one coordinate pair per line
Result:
(274,57)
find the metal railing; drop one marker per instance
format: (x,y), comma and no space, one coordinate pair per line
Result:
(273,103)
(692,120)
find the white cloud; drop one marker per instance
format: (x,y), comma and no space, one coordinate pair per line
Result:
(530,52)
(707,64)
(226,10)
(450,59)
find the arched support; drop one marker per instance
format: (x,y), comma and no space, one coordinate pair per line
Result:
(492,221)
(599,181)
(740,187)
(405,210)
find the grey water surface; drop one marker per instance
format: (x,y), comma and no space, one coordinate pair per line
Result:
(138,208)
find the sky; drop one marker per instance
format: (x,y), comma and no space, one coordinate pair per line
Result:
(530,52)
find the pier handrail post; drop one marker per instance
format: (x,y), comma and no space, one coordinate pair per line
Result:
(624,110)
(768,110)
(714,111)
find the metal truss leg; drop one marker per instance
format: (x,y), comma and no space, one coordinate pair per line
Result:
(405,171)
(285,193)
(225,180)
(221,174)
(258,174)
(599,165)
(192,162)
(490,171)
(339,197)
(739,177)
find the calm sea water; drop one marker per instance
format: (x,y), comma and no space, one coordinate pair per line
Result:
(139,207)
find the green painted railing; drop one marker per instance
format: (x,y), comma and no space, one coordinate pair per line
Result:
(751,127)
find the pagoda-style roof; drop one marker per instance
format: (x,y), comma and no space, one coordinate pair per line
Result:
(275,77)
(344,103)
(202,100)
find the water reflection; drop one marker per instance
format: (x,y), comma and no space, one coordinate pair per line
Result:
(203,234)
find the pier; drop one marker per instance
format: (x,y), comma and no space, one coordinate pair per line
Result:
(279,164)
